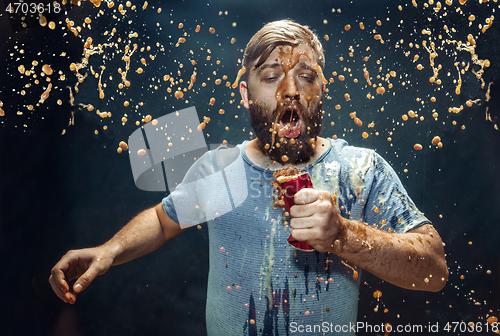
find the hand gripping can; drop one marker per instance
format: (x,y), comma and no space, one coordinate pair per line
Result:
(289,188)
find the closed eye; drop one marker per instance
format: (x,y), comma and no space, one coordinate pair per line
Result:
(308,77)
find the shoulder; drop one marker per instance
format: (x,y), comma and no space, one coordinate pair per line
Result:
(225,155)
(208,162)
(345,153)
(358,160)
(343,148)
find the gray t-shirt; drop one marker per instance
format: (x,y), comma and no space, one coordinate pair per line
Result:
(258,283)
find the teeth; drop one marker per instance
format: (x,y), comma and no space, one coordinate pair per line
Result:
(289,126)
(292,124)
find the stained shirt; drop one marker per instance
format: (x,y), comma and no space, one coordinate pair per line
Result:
(258,283)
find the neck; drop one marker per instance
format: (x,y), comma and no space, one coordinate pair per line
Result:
(258,155)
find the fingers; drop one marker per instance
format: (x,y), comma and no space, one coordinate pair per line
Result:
(60,286)
(280,203)
(313,202)
(83,265)
(301,223)
(59,280)
(86,279)
(305,196)
(301,234)
(308,195)
(305,234)
(310,237)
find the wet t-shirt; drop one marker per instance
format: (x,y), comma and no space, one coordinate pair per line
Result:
(258,283)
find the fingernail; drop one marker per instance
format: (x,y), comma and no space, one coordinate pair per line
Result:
(78,288)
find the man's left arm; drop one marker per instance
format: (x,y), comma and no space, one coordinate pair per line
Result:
(412,260)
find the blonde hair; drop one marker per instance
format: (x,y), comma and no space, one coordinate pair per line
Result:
(277,33)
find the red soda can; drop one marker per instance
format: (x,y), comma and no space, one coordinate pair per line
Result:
(288,189)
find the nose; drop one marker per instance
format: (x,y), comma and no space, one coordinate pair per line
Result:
(290,89)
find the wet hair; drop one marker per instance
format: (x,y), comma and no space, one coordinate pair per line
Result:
(282,32)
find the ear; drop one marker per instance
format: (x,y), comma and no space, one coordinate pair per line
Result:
(323,88)
(244,93)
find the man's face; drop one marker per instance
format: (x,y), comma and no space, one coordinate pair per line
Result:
(285,96)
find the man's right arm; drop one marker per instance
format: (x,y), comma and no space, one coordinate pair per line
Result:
(142,235)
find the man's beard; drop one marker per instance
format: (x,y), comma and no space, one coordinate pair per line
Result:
(283,149)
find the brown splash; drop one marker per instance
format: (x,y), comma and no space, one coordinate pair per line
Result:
(240,73)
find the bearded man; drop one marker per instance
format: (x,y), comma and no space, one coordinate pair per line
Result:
(357,215)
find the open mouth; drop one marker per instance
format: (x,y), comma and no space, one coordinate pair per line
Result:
(290,123)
